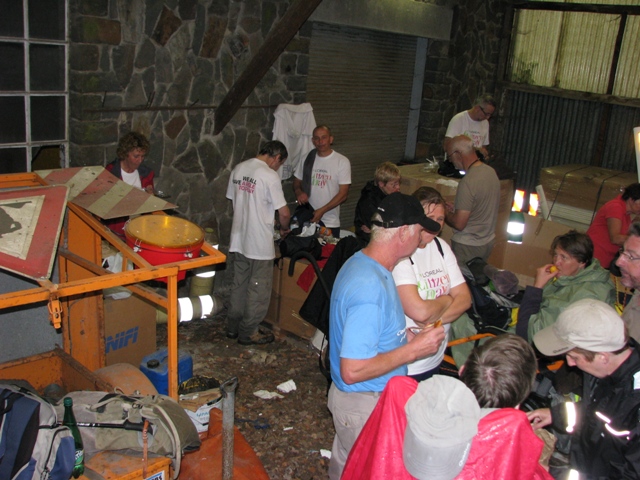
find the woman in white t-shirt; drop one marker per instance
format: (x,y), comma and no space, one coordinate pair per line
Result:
(430,284)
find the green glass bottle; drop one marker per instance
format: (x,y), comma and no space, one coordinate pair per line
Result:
(69,420)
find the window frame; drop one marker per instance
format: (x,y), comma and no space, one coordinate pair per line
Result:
(506,50)
(30,145)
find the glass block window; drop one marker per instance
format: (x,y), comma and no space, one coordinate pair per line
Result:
(34,98)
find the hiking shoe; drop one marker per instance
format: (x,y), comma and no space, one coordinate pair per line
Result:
(232,335)
(259,338)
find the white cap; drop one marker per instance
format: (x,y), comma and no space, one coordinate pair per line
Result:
(588,324)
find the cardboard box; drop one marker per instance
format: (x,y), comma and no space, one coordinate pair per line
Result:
(583,186)
(415,176)
(291,321)
(129,330)
(286,285)
(199,404)
(534,251)
(287,298)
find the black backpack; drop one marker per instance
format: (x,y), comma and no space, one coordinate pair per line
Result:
(291,244)
(485,312)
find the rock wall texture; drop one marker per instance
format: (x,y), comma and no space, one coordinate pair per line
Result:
(457,72)
(131,61)
(155,66)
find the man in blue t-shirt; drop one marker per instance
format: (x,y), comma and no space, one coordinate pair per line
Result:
(369,344)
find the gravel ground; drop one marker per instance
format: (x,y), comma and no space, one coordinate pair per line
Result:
(286,433)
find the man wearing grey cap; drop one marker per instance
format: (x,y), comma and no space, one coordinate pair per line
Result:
(605,424)
(369,344)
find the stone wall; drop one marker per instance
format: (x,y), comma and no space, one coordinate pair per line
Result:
(131,60)
(460,70)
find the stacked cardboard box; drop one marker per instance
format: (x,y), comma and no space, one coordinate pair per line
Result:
(583,186)
(415,176)
(534,251)
(575,192)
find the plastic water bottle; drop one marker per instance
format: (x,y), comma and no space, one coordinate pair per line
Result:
(69,420)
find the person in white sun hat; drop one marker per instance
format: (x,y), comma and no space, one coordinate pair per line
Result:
(605,423)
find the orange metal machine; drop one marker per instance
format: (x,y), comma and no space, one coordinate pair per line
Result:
(76,302)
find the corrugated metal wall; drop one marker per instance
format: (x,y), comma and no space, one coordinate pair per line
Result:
(359,84)
(543,131)
(619,151)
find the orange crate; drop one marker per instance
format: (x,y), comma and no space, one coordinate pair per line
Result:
(113,465)
(54,366)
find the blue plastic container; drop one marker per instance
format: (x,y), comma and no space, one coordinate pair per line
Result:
(156,367)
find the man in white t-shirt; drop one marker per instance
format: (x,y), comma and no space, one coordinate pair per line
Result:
(474,123)
(256,192)
(326,184)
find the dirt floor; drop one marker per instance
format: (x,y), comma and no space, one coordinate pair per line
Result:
(286,433)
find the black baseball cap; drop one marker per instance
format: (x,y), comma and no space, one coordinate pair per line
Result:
(398,209)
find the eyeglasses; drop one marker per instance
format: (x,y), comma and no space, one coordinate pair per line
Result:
(628,256)
(484,111)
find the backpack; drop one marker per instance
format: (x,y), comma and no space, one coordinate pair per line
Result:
(32,444)
(302,215)
(291,244)
(117,422)
(485,312)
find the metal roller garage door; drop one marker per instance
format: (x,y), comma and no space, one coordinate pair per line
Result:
(359,84)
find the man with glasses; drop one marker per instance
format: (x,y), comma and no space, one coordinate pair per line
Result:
(629,264)
(256,192)
(474,123)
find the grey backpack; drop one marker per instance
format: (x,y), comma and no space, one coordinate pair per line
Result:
(32,444)
(110,421)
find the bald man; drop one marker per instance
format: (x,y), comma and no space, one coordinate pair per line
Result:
(474,215)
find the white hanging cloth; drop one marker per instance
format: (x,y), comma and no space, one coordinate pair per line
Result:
(294,126)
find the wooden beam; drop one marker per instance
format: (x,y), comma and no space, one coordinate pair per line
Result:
(579,7)
(275,43)
(571,94)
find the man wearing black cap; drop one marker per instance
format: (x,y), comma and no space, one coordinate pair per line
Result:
(369,344)
(605,424)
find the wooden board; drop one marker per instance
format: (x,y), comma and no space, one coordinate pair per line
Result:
(101,193)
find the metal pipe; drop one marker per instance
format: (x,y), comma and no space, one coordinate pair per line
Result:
(228,390)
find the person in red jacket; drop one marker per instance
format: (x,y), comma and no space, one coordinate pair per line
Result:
(128,167)
(608,230)
(443,428)
(132,150)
